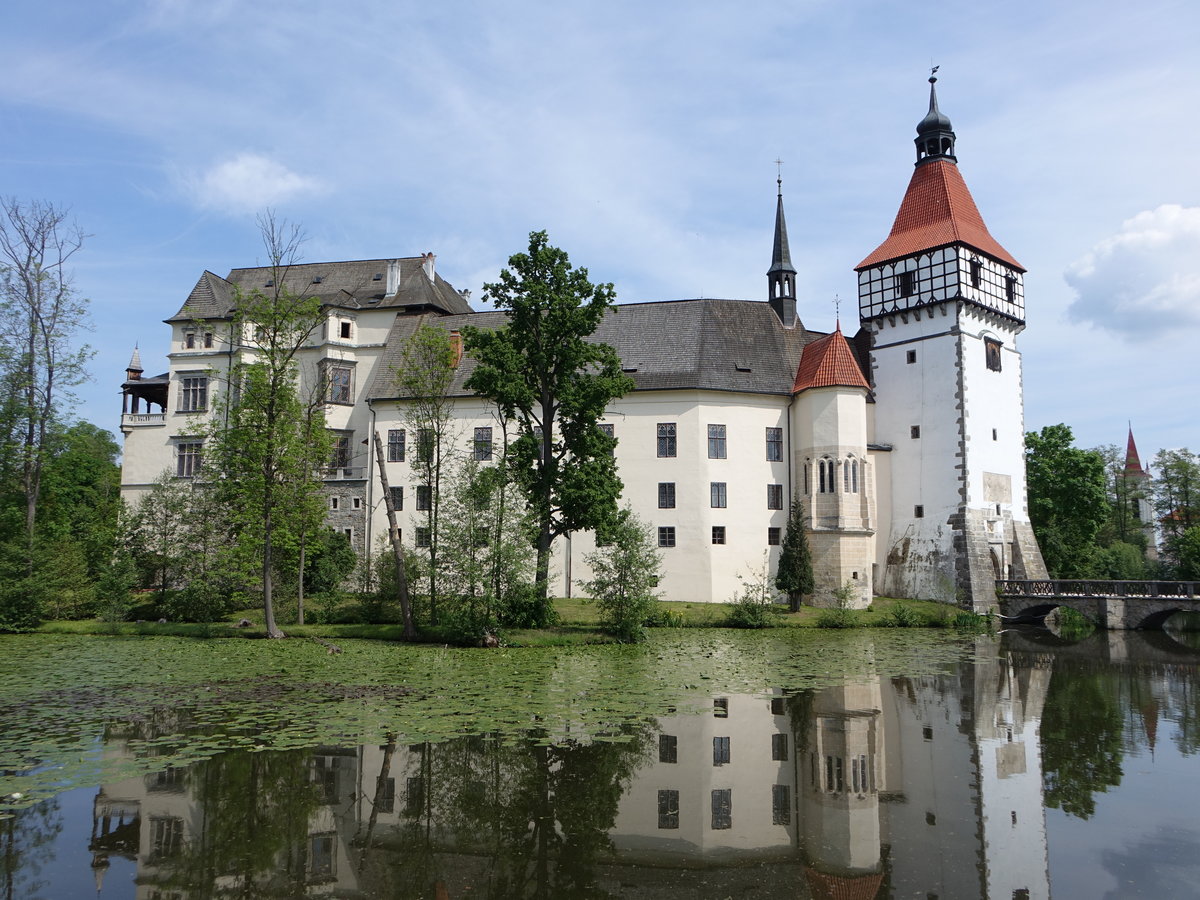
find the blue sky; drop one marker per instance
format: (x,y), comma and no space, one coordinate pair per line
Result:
(642,137)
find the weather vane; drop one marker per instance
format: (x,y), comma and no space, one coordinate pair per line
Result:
(837,308)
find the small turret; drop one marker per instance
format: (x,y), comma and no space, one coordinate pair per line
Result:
(133,371)
(781,277)
(935,137)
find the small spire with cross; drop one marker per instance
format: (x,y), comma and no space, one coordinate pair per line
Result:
(779,175)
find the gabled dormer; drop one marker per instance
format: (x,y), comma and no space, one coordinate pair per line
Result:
(939,247)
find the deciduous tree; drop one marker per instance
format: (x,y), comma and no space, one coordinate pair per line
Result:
(626,569)
(1067,500)
(545,374)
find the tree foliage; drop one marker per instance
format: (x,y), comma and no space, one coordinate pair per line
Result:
(625,574)
(794,575)
(267,439)
(1177,502)
(554,383)
(1068,504)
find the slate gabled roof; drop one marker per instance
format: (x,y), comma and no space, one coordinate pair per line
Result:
(937,210)
(716,345)
(211,298)
(828,362)
(355,284)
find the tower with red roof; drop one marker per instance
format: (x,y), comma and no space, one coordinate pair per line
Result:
(1135,487)
(942,303)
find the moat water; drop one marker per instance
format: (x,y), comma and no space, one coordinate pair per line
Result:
(707,764)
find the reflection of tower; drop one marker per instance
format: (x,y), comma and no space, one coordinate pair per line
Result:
(1008,713)
(839,773)
(963,778)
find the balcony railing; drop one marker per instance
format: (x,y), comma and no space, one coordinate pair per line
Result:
(136,420)
(345,473)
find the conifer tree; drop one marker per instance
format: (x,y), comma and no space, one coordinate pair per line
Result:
(795,573)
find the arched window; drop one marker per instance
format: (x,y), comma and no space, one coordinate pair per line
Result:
(807,487)
(826,471)
(850,476)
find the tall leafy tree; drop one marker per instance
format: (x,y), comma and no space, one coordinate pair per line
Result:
(1068,503)
(266,433)
(1176,497)
(545,374)
(41,317)
(794,575)
(424,377)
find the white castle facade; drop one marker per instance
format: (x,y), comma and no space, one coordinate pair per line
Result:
(904,442)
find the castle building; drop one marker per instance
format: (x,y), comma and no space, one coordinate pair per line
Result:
(903,443)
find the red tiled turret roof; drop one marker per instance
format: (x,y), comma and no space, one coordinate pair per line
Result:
(937,210)
(828,362)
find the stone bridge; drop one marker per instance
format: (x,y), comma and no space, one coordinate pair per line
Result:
(1110,604)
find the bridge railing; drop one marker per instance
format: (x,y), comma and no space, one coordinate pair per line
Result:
(1093,588)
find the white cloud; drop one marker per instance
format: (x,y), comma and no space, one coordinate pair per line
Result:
(1145,280)
(248,182)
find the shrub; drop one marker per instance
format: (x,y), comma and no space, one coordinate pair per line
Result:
(836,618)
(626,571)
(754,606)
(902,615)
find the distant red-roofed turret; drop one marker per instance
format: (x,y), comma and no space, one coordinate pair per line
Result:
(829,362)
(1133,464)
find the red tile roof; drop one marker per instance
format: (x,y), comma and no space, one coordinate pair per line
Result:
(937,210)
(1133,464)
(823,886)
(828,362)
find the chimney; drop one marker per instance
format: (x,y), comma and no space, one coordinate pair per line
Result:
(393,278)
(427,264)
(456,346)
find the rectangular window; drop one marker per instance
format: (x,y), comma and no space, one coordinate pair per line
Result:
(774,444)
(422,537)
(668,748)
(918,511)
(397,497)
(340,384)
(483,444)
(779,747)
(386,797)
(609,432)
(721,708)
(356,503)
(976,268)
(340,457)
(395,448)
(906,283)
(666,495)
(717,494)
(668,809)
(193,394)
(716,442)
(720,751)
(914,431)
(666,439)
(781,804)
(424,445)
(166,836)
(187,462)
(666,536)
(1010,289)
(208,340)
(722,809)
(414,795)
(189,341)
(344,330)
(774,496)
(910,357)
(718,534)
(424,497)
(773,537)
(777,707)
(991,349)
(333,503)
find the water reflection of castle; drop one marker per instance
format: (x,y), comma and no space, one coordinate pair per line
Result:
(907,787)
